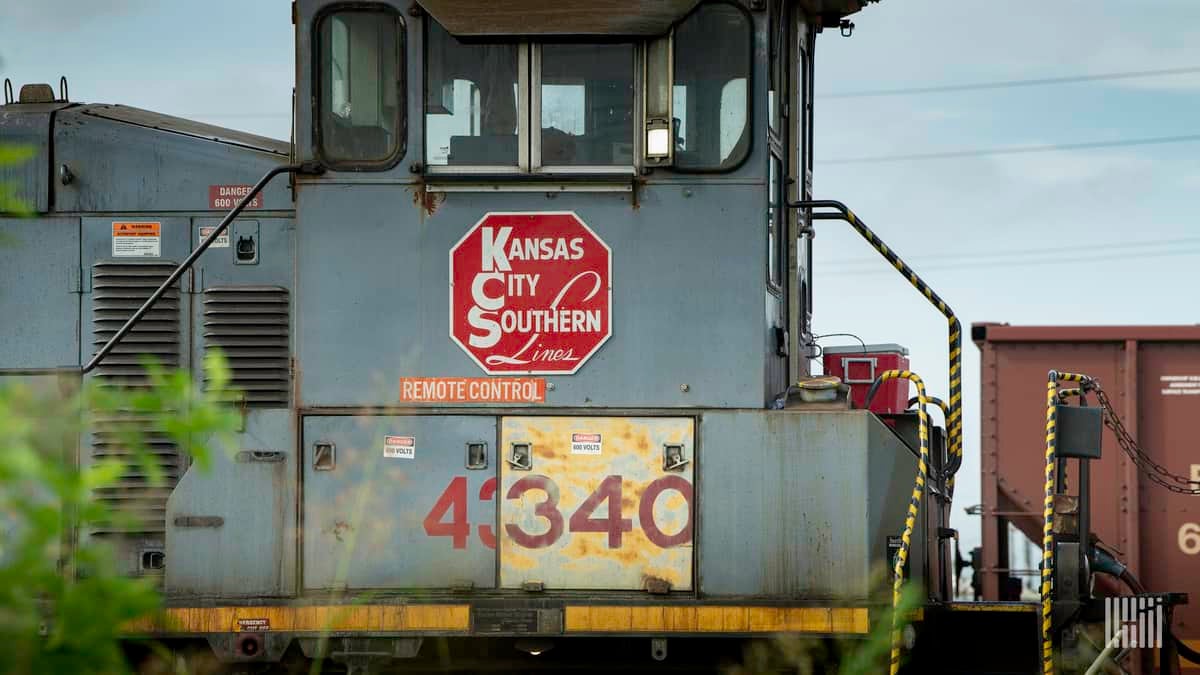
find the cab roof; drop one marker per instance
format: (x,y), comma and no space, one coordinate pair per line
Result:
(635,18)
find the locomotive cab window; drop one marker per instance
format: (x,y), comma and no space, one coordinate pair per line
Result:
(472,102)
(586,105)
(712,88)
(360,122)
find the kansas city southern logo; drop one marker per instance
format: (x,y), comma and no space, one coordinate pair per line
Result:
(530,293)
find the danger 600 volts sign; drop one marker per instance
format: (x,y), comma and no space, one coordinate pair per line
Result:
(530,293)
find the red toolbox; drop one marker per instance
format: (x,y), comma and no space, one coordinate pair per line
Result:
(859,365)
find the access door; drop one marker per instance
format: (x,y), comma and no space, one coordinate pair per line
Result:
(597,503)
(394,502)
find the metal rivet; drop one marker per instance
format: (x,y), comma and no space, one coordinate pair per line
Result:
(684,388)
(687,192)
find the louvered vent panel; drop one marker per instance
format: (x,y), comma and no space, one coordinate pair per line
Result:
(250,326)
(118,289)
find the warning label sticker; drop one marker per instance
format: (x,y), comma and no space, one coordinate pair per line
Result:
(585,444)
(253,625)
(473,389)
(136,240)
(400,447)
(221,241)
(227,196)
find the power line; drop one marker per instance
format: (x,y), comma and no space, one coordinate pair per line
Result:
(1058,260)
(1009,84)
(1044,250)
(1017,150)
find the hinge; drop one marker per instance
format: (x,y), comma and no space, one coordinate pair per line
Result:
(75,283)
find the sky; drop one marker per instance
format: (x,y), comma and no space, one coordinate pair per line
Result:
(1119,222)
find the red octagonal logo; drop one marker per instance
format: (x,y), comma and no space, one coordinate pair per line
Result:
(530,293)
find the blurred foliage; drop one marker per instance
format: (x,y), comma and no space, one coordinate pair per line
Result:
(834,656)
(62,601)
(13,155)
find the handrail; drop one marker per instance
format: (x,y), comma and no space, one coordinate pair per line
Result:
(954,418)
(307,168)
(914,504)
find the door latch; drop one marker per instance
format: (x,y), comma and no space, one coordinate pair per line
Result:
(673,459)
(521,456)
(477,455)
(324,456)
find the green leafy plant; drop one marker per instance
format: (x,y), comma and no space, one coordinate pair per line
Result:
(10,202)
(62,601)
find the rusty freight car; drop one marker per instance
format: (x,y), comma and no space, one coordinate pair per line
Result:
(1152,375)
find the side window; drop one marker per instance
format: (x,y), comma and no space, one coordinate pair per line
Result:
(586,106)
(360,119)
(472,102)
(776,241)
(711,89)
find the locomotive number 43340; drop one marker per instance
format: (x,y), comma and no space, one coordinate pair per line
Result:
(448,517)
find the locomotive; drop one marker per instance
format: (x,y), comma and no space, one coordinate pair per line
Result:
(520,319)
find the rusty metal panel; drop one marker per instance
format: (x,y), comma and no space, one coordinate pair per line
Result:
(1152,376)
(596,502)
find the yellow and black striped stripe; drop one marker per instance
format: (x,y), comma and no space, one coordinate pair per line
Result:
(954,416)
(914,505)
(1052,396)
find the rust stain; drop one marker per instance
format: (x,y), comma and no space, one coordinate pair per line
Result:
(339,528)
(427,201)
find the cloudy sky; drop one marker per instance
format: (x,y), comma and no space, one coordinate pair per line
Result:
(1119,221)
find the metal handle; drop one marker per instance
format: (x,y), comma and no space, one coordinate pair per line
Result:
(520,457)
(324,456)
(673,459)
(846,362)
(477,457)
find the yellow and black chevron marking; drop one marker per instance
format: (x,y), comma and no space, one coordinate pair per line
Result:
(914,505)
(1064,394)
(1052,396)
(954,416)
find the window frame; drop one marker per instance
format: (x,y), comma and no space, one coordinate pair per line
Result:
(319,81)
(750,83)
(523,123)
(536,167)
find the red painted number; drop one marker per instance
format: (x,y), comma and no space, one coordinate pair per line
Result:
(547,508)
(455,495)
(613,523)
(453,503)
(486,534)
(646,512)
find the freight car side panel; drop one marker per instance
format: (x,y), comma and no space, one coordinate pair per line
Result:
(1168,378)
(1152,376)
(39,292)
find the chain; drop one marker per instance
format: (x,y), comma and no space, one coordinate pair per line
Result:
(1151,469)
